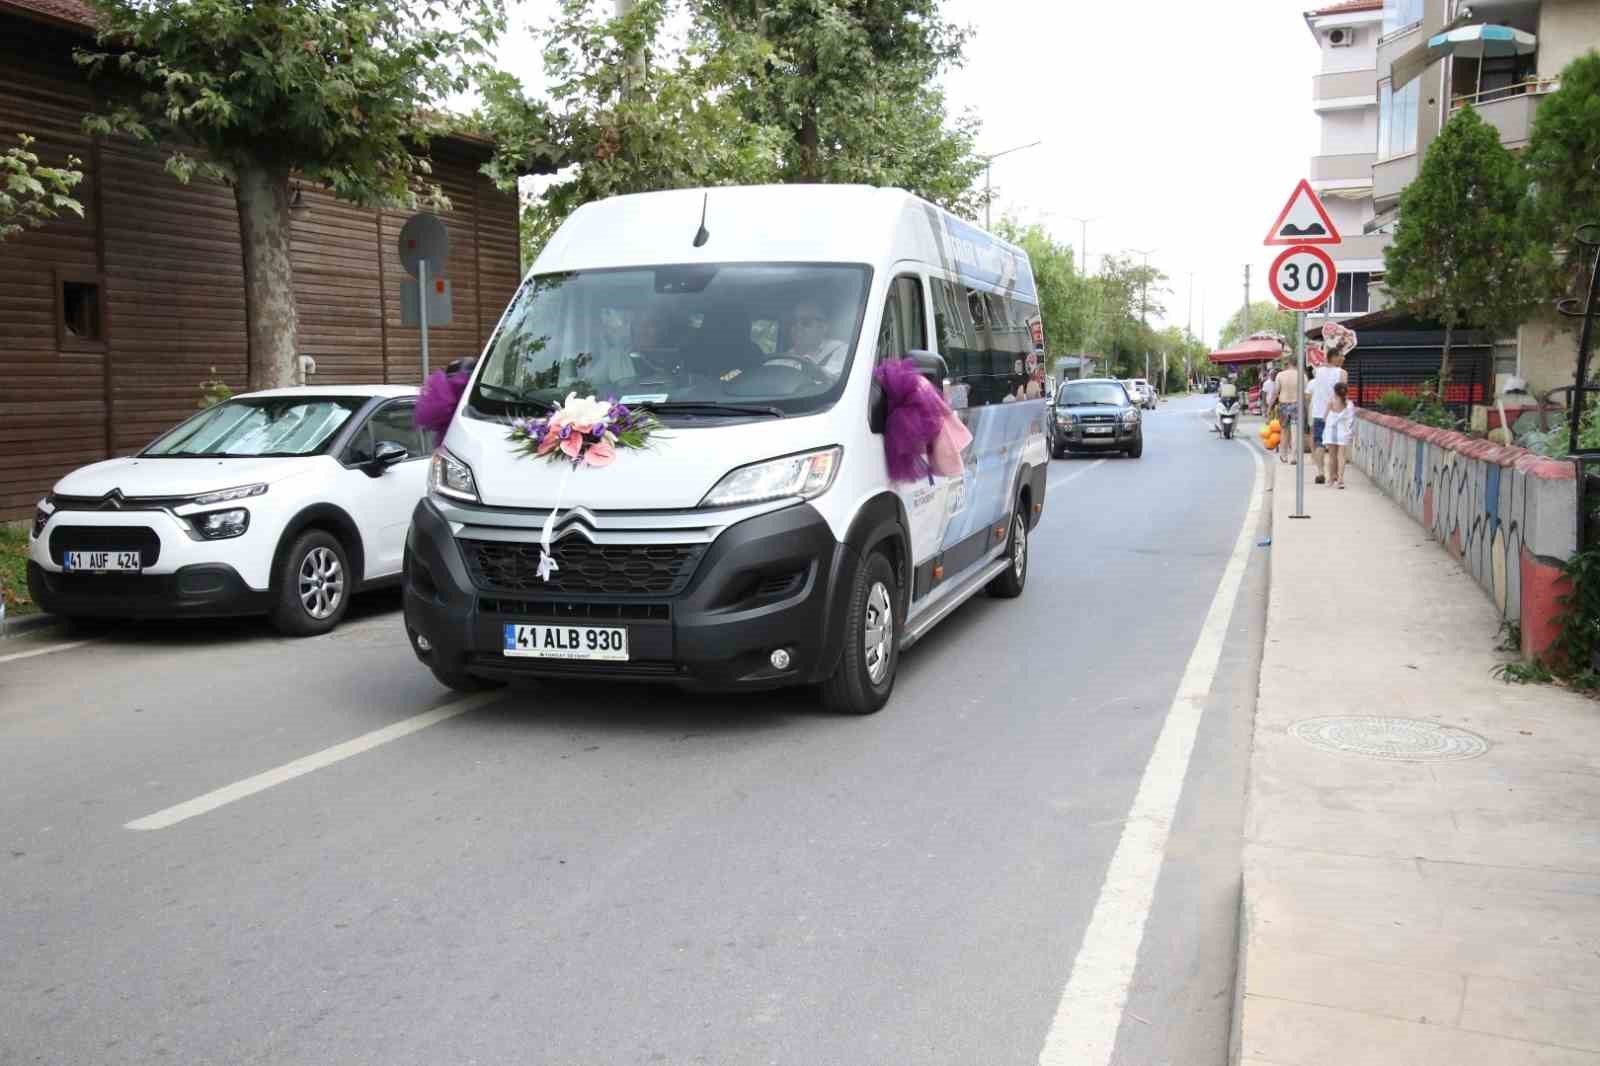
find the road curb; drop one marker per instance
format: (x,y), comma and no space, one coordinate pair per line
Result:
(28,623)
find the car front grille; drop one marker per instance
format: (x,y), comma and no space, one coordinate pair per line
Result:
(1097,420)
(583,568)
(141,539)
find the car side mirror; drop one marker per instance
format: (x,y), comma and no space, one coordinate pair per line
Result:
(384,456)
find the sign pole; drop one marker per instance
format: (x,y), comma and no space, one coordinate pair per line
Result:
(422,311)
(1300,419)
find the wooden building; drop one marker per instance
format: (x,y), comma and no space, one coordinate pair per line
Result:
(109,324)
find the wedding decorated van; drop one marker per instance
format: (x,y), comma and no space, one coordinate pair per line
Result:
(734,438)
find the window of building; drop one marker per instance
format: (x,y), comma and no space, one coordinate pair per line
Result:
(1349,295)
(80,312)
(1399,14)
(1397,119)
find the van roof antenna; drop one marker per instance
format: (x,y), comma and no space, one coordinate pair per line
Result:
(703,235)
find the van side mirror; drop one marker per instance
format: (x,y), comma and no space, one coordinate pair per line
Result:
(929,364)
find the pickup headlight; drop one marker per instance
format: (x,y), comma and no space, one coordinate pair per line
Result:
(805,476)
(220,525)
(1131,415)
(1066,418)
(451,478)
(239,492)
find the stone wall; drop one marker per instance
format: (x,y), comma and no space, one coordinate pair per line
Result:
(1509,516)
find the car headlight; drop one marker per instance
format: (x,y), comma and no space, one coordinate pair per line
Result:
(1066,418)
(220,525)
(41,516)
(1130,416)
(238,492)
(450,477)
(806,476)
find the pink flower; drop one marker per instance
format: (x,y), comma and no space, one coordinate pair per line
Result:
(600,453)
(551,439)
(571,445)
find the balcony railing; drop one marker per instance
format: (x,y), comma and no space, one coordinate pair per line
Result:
(1509,109)
(1353,167)
(1530,87)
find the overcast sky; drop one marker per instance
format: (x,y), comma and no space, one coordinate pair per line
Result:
(1179,126)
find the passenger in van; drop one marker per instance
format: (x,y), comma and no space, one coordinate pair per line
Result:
(809,340)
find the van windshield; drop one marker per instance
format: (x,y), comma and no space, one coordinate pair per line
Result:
(750,337)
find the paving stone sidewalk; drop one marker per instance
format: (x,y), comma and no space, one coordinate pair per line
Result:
(1410,911)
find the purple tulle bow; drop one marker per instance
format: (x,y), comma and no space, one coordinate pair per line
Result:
(437,404)
(916,414)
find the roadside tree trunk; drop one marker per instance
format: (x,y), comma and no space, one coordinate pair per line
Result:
(271,321)
(1444,363)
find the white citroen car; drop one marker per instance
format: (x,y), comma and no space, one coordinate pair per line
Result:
(284,502)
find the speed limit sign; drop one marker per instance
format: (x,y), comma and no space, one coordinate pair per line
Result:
(1302,277)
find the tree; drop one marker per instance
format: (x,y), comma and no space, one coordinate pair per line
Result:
(1262,316)
(761,91)
(31,194)
(1464,252)
(344,92)
(1561,154)
(1126,296)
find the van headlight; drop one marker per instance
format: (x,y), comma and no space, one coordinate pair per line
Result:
(451,478)
(220,525)
(805,476)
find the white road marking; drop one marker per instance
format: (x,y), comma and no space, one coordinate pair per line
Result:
(306,764)
(49,650)
(1076,473)
(1084,1030)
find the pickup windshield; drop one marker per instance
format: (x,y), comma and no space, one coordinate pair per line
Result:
(692,341)
(254,428)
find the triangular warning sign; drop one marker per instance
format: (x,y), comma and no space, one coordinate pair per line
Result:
(1303,220)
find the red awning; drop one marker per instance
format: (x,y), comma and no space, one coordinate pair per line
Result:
(1261,351)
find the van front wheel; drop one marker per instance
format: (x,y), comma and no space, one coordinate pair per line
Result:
(864,678)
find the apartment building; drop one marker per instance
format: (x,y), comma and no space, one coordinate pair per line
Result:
(1344,95)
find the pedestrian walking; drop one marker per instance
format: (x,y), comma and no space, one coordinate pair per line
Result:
(1320,390)
(1338,430)
(1288,382)
(1269,396)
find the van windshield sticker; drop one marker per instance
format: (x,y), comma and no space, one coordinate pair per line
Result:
(645,397)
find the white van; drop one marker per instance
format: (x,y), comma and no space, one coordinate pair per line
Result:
(758,541)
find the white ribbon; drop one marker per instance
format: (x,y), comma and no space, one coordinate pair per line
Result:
(547,562)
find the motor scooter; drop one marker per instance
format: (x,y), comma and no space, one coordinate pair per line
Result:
(1227,411)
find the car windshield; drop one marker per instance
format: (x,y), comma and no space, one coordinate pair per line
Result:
(730,340)
(265,426)
(1082,392)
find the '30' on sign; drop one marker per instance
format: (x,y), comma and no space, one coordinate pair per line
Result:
(1302,277)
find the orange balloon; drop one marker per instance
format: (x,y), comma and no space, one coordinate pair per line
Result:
(1274,426)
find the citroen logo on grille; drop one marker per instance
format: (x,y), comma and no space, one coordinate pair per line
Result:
(576,521)
(111,501)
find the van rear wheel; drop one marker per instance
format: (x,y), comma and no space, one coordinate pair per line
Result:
(1009,583)
(864,678)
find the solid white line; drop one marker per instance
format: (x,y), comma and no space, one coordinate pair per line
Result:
(306,764)
(1084,1031)
(51,650)
(1076,473)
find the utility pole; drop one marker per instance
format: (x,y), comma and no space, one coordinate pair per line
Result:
(1144,303)
(1083,242)
(988,191)
(1245,322)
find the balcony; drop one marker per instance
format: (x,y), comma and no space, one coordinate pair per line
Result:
(1360,247)
(1390,176)
(1345,85)
(1509,110)
(1345,169)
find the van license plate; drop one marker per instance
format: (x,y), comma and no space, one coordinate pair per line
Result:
(103,561)
(605,643)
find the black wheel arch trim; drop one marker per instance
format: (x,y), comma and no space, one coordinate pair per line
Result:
(338,522)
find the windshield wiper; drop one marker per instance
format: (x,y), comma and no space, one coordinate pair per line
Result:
(513,395)
(708,407)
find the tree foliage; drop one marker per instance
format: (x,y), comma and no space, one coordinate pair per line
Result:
(1126,295)
(1262,316)
(759,91)
(31,193)
(1065,296)
(1464,252)
(1563,151)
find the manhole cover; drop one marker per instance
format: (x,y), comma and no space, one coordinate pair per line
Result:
(1403,739)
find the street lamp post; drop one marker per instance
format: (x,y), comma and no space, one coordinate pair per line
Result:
(1144,300)
(1083,243)
(987,188)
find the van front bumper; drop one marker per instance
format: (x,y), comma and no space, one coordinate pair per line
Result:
(767,583)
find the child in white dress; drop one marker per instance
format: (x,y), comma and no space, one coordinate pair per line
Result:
(1337,431)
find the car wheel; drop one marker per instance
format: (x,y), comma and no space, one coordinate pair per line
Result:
(1008,586)
(864,678)
(314,585)
(1137,449)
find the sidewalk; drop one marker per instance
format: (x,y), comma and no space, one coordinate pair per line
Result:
(1404,912)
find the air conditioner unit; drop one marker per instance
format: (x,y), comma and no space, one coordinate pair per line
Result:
(1341,38)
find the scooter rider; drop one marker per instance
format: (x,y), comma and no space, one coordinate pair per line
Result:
(1227,406)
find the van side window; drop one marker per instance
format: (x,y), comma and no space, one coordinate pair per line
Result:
(904,324)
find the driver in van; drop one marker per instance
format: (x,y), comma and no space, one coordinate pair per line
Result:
(809,340)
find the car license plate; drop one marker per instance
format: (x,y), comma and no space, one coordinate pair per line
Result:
(606,643)
(1097,429)
(103,561)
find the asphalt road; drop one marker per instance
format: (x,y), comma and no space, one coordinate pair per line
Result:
(606,875)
